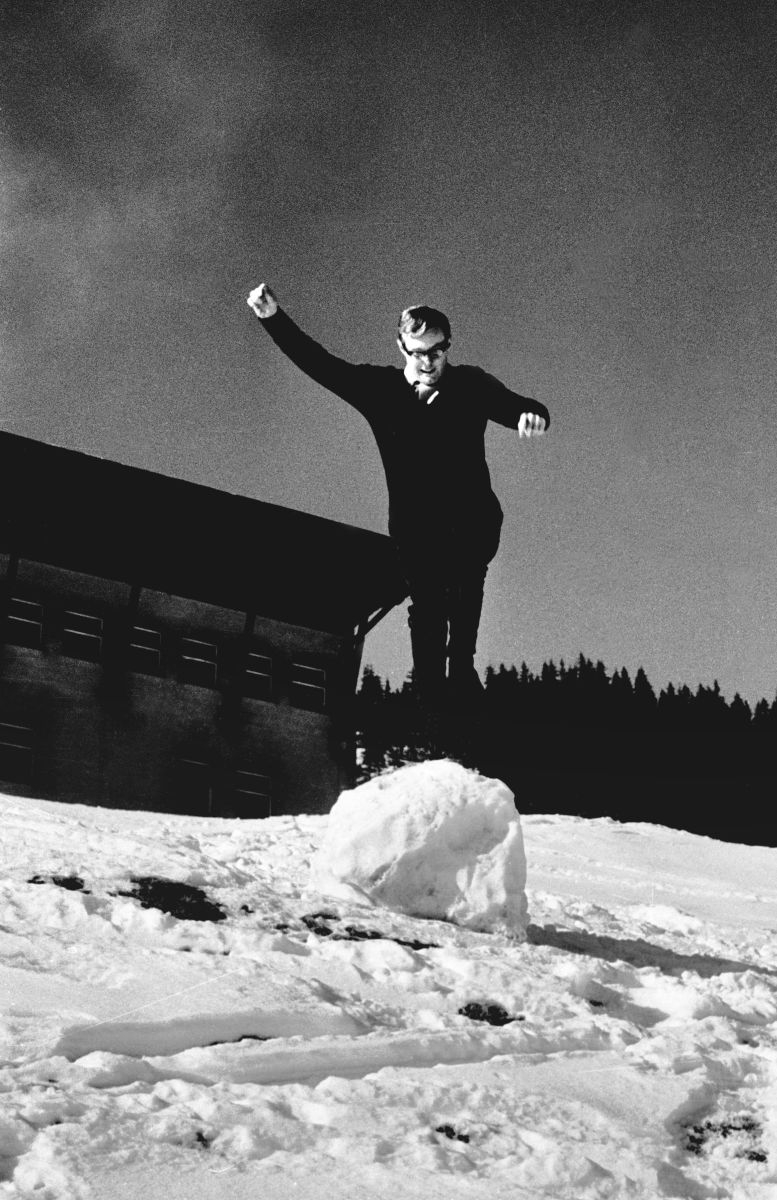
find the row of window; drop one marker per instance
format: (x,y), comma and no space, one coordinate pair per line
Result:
(83,635)
(15,753)
(207,790)
(198,787)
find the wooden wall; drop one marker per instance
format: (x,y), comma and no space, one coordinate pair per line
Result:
(119,695)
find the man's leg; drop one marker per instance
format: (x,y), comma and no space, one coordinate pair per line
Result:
(427,616)
(428,623)
(465,605)
(476,543)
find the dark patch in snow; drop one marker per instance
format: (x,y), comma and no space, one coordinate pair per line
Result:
(743,1130)
(180,900)
(317,923)
(414,945)
(201,1139)
(494,1014)
(451,1133)
(242,1037)
(71,883)
(637,952)
(354,934)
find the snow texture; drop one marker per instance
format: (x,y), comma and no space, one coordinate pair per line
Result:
(264,1047)
(431,839)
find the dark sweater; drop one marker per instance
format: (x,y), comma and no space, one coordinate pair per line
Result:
(433,454)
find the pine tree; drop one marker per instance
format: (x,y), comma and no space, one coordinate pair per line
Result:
(371,691)
(684,709)
(370,720)
(645,703)
(710,710)
(741,715)
(547,693)
(621,706)
(667,707)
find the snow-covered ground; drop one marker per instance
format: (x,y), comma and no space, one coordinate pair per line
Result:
(279,1052)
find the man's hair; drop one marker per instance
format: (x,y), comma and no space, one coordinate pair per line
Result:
(420,317)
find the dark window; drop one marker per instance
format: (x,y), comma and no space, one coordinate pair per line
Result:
(145,648)
(252,796)
(199,662)
(15,753)
(194,787)
(258,675)
(82,636)
(24,626)
(308,686)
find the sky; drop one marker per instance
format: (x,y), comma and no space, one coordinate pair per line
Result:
(616,1042)
(586,188)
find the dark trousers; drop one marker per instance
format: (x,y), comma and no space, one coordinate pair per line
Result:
(445,573)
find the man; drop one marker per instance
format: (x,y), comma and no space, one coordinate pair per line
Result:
(429,422)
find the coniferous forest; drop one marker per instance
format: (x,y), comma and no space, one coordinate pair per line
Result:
(578,739)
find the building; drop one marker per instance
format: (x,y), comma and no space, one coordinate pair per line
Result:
(170,646)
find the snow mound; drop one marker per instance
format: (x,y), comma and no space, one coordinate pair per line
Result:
(432,840)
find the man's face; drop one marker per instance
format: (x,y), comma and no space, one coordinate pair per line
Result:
(425,354)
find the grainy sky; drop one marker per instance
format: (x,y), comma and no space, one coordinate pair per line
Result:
(588,188)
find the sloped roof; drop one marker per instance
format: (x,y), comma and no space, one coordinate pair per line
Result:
(104,518)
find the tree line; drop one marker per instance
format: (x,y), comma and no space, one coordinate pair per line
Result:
(579,738)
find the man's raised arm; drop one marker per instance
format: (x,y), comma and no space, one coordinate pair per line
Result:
(530,417)
(333,373)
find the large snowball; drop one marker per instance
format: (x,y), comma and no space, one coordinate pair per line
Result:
(432,840)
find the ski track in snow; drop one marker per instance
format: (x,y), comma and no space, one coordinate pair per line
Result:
(274,1053)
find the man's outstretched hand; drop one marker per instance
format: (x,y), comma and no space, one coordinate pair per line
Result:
(263,302)
(531,425)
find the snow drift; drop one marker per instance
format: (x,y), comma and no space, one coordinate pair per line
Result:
(626,1049)
(431,840)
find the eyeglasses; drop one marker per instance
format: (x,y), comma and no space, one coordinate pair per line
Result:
(434,352)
